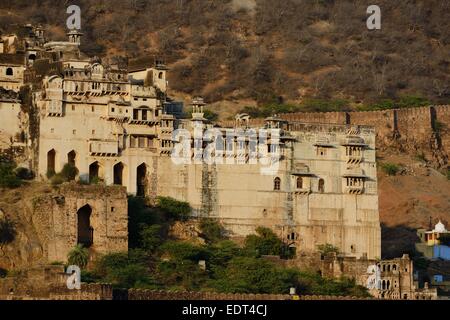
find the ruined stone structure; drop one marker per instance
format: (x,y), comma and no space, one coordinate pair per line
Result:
(49,282)
(95,216)
(51,221)
(386,279)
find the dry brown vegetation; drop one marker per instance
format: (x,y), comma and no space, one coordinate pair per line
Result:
(264,49)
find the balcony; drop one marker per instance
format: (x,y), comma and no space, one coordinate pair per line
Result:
(354,189)
(302,191)
(354,141)
(103,148)
(54,108)
(354,159)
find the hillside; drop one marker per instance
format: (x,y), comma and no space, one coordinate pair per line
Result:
(408,200)
(248,51)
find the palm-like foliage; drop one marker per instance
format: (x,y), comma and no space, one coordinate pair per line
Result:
(78,256)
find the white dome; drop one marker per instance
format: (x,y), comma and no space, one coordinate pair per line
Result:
(439,227)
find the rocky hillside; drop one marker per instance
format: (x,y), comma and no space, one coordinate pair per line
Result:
(250,51)
(408,199)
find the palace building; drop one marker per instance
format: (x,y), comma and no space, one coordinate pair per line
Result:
(116,125)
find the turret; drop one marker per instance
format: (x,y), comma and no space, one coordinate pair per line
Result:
(74,36)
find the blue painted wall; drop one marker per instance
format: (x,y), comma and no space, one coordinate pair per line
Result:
(442,252)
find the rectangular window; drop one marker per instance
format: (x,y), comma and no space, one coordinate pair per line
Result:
(136,114)
(320,151)
(132,142)
(142,142)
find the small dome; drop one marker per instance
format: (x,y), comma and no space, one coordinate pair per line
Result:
(439,227)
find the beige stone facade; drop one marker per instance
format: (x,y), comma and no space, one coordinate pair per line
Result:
(115,125)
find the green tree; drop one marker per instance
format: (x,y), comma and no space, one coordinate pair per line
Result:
(390,168)
(264,242)
(151,237)
(8,178)
(254,275)
(177,210)
(327,248)
(69,172)
(78,256)
(124,270)
(211,230)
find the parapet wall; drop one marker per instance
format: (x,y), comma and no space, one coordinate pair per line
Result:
(138,294)
(417,131)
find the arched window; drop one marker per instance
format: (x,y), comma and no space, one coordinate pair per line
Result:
(277,184)
(160,75)
(118,173)
(299,183)
(321,186)
(51,161)
(85,230)
(141,181)
(9,72)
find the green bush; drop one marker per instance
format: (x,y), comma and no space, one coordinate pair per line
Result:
(266,242)
(123,270)
(177,210)
(151,237)
(253,275)
(78,256)
(211,230)
(69,172)
(24,173)
(327,248)
(50,173)
(8,178)
(390,168)
(180,250)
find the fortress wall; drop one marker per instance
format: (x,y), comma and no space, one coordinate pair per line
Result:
(138,294)
(382,121)
(317,117)
(415,128)
(443,122)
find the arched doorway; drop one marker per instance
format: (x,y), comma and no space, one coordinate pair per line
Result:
(141,181)
(51,161)
(118,173)
(94,171)
(71,157)
(85,235)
